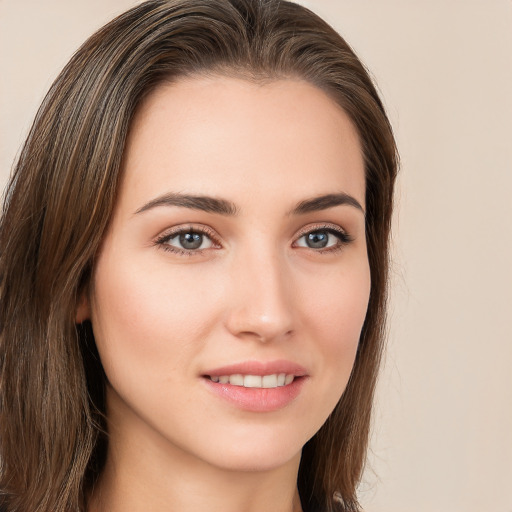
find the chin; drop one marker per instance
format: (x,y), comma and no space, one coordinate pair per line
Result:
(238,460)
(251,450)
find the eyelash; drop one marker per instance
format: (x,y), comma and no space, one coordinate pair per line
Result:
(162,241)
(343,237)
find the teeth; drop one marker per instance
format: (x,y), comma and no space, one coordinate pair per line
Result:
(251,381)
(269,381)
(236,380)
(255,381)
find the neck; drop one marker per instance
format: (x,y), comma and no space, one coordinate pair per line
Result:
(145,472)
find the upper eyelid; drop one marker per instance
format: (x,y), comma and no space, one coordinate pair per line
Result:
(185,228)
(321,226)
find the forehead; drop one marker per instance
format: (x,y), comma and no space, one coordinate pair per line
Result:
(225,136)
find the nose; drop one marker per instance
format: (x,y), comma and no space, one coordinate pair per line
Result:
(261,298)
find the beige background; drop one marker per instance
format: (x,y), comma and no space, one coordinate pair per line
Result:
(442,440)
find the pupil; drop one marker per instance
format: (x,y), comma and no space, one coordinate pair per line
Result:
(317,240)
(191,240)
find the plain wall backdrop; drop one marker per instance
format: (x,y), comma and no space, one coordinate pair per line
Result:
(442,439)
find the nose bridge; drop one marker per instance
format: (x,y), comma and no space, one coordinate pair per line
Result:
(261,301)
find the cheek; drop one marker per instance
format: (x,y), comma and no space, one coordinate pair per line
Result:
(338,307)
(336,314)
(148,321)
(333,306)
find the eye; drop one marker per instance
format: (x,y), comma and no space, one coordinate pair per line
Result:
(186,241)
(325,238)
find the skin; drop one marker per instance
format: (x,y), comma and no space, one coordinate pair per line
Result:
(254,290)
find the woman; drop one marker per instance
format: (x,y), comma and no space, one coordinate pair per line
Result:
(194,267)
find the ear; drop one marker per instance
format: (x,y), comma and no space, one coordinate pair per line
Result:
(83,309)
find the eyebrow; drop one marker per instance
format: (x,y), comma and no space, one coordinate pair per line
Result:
(204,203)
(225,207)
(326,201)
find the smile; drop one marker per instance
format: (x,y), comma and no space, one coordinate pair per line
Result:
(255,381)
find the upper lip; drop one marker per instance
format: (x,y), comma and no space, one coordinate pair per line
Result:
(259,368)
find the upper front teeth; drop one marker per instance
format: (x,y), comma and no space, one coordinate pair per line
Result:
(255,381)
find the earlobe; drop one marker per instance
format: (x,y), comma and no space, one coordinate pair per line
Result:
(83,310)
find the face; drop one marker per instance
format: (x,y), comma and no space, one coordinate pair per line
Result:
(230,290)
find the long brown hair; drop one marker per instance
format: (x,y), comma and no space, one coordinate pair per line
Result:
(58,205)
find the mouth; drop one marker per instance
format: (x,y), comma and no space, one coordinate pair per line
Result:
(274,380)
(257,386)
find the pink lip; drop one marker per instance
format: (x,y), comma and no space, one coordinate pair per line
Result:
(259,368)
(258,399)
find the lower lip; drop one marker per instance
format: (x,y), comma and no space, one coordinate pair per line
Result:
(257,399)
